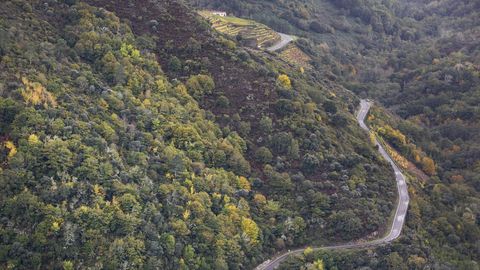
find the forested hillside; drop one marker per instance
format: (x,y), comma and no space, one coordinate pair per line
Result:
(134,136)
(420,59)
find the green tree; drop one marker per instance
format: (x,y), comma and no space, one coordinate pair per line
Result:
(330,107)
(58,157)
(263,155)
(175,64)
(346,224)
(168,241)
(125,252)
(395,261)
(310,163)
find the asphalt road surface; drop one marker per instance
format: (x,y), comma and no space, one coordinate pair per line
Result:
(282,43)
(400,212)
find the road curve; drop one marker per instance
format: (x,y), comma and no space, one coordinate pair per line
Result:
(400,212)
(285,39)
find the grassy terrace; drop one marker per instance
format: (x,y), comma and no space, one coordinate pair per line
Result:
(248,29)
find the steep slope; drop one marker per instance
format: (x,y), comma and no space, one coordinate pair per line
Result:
(438,95)
(102,152)
(421,60)
(215,160)
(295,145)
(398,219)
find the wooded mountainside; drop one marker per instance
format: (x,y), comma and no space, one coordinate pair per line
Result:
(421,60)
(157,143)
(135,136)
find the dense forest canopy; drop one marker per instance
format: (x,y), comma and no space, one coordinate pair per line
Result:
(127,145)
(133,135)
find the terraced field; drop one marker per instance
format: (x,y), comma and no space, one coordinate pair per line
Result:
(247,29)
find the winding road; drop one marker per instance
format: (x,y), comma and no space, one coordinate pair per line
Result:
(285,39)
(400,212)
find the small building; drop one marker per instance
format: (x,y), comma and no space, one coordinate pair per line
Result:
(220,13)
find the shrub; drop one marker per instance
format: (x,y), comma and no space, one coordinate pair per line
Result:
(284,107)
(222,102)
(339,120)
(330,107)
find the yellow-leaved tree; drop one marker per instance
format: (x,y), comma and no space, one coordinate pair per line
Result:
(33,139)
(308,253)
(250,230)
(284,81)
(317,265)
(35,94)
(12,150)
(428,166)
(243,183)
